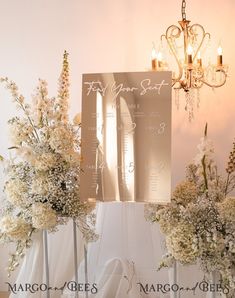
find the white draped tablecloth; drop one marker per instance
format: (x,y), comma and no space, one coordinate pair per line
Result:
(128,252)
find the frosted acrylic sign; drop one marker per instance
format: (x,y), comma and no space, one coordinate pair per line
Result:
(126,137)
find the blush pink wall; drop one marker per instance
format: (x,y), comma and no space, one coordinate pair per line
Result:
(108,36)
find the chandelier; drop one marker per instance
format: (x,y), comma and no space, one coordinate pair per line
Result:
(187,45)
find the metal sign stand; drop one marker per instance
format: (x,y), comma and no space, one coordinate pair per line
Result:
(86,267)
(75,253)
(75,249)
(175,278)
(213,282)
(45,243)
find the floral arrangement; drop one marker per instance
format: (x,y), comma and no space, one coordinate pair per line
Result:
(199,223)
(42,188)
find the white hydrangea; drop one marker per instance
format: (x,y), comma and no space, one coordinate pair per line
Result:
(44,161)
(185,192)
(182,243)
(43,216)
(61,139)
(40,185)
(15,190)
(15,228)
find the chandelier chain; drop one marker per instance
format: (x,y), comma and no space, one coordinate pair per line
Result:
(183,10)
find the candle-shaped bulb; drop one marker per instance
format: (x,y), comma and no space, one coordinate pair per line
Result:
(154,58)
(220,56)
(199,59)
(154,53)
(220,50)
(189,50)
(159,59)
(159,56)
(190,55)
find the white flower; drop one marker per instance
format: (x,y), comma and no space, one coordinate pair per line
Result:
(16,191)
(150,211)
(206,149)
(185,192)
(40,185)
(168,218)
(181,243)
(61,139)
(20,131)
(63,92)
(44,174)
(43,216)
(44,161)
(43,106)
(14,228)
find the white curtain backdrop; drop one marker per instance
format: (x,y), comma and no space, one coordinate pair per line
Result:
(128,252)
(61,262)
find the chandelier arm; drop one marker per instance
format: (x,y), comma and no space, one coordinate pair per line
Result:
(217,85)
(204,35)
(164,36)
(168,36)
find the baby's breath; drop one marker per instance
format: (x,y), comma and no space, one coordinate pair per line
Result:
(199,223)
(42,185)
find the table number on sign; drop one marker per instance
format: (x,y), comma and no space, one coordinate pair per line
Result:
(126,136)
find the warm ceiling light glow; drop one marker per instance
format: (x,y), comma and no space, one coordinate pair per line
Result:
(185,41)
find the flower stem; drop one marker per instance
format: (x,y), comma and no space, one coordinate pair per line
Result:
(204,172)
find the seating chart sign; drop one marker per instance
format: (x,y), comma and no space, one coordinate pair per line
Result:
(126,136)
